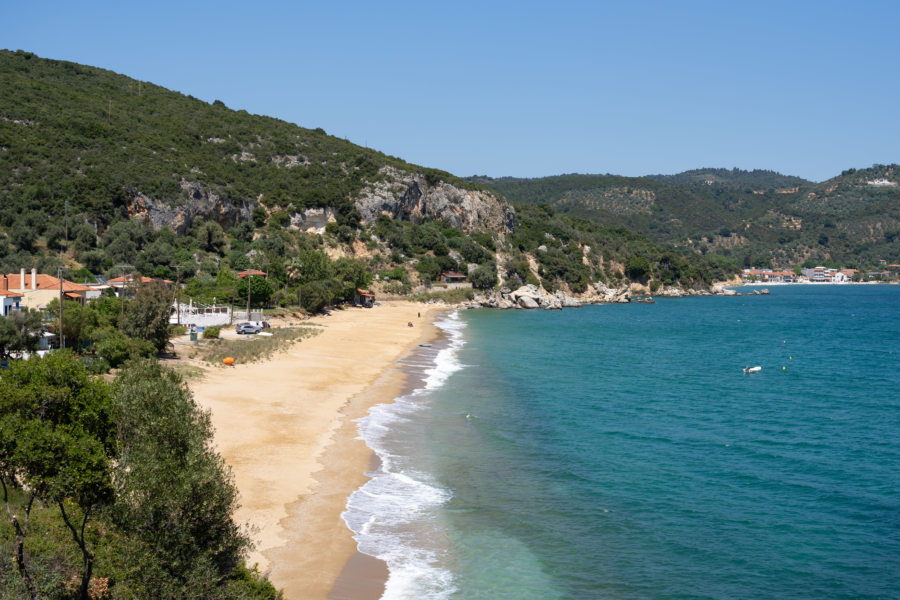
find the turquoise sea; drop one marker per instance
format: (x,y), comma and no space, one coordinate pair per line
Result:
(619,451)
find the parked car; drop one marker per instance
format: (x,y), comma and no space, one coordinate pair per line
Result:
(247,328)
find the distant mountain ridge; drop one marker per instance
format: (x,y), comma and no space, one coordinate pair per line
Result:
(756,179)
(758,217)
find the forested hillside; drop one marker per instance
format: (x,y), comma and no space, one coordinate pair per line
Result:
(753,217)
(757,179)
(90,137)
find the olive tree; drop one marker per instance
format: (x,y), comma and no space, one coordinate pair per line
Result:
(55,444)
(174,494)
(147,316)
(20,332)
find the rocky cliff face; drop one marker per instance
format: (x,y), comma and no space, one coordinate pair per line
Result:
(400,195)
(409,197)
(201,203)
(313,220)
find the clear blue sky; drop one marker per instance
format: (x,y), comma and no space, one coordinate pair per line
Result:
(522,88)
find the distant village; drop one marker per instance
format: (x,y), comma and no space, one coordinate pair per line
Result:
(885,274)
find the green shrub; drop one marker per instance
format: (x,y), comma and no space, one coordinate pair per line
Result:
(449,296)
(315,295)
(484,277)
(115,348)
(96,365)
(397,288)
(211,333)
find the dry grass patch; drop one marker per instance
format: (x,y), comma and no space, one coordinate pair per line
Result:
(257,347)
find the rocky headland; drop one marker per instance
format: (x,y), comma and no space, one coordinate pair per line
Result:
(533,297)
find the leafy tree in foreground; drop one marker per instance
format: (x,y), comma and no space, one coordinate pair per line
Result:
(55,443)
(175,496)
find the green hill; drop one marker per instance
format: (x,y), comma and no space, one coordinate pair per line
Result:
(754,217)
(92,137)
(757,179)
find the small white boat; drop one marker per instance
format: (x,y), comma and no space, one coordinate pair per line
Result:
(748,370)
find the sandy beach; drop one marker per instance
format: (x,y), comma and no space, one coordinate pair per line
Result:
(286,428)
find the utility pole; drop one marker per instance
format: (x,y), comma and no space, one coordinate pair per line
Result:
(248,295)
(175,293)
(62,339)
(122,294)
(233,298)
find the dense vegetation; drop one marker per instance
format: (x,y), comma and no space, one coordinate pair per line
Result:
(754,218)
(757,179)
(90,137)
(576,251)
(113,490)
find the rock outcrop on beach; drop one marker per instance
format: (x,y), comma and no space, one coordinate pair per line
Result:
(600,293)
(531,297)
(410,197)
(527,297)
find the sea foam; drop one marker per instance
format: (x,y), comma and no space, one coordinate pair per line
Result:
(394,515)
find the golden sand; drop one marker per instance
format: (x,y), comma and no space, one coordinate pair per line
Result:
(286,428)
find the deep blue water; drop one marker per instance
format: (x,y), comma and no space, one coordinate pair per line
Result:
(619,451)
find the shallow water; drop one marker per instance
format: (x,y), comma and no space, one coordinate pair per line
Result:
(619,451)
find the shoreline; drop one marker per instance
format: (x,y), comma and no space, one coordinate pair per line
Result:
(287,429)
(364,577)
(814,283)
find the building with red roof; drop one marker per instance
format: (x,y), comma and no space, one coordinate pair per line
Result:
(37,290)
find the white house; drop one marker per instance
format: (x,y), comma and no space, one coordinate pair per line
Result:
(11,300)
(840,277)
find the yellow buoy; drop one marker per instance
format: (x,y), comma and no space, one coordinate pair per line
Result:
(783,368)
(228,360)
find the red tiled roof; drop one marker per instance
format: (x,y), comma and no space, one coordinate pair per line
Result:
(44,282)
(124,279)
